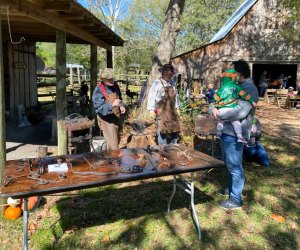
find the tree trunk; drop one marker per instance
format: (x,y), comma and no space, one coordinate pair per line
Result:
(166,46)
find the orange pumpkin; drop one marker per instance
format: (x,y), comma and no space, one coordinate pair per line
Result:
(12,213)
(31,202)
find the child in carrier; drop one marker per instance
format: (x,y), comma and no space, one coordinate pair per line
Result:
(227,97)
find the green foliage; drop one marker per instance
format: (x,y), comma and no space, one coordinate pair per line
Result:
(76,54)
(141,30)
(47,52)
(290,29)
(201,20)
(186,106)
(140,23)
(79,54)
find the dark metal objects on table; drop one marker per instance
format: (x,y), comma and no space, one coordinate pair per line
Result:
(139,126)
(9,179)
(36,177)
(131,169)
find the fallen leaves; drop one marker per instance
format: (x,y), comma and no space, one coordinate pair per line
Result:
(32,227)
(277,218)
(105,238)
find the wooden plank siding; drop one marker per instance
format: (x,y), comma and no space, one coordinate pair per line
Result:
(255,38)
(23,86)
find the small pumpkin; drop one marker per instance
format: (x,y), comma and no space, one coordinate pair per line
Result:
(31,202)
(12,212)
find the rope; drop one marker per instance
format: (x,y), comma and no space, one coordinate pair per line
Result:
(9,30)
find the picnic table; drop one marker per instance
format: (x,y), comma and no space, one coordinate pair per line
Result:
(292,101)
(25,178)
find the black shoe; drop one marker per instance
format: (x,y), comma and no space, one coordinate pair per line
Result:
(224,191)
(231,203)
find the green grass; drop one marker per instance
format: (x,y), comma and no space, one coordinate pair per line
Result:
(134,215)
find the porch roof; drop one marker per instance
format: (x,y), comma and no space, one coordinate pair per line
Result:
(38,20)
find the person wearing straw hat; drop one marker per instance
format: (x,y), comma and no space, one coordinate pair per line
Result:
(108,104)
(163,103)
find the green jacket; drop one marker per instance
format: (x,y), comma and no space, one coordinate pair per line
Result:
(229,94)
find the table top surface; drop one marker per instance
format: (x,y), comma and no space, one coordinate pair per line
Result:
(99,169)
(205,125)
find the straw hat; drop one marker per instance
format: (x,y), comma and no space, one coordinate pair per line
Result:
(106,73)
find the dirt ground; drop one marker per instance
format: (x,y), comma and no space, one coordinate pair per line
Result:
(24,142)
(280,122)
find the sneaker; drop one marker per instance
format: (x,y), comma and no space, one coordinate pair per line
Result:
(242,140)
(224,191)
(231,203)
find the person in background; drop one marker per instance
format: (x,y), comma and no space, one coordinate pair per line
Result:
(83,96)
(232,150)
(163,104)
(108,104)
(84,89)
(263,83)
(290,92)
(283,79)
(143,90)
(209,93)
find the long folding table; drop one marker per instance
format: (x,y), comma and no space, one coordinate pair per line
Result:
(29,177)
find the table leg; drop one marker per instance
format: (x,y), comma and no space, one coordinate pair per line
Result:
(173,193)
(195,217)
(188,187)
(212,145)
(25,224)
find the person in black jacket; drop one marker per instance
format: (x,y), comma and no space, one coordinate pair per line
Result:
(210,93)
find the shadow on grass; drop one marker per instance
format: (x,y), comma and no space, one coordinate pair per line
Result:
(110,204)
(107,205)
(133,208)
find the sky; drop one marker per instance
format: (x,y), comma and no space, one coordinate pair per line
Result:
(84,3)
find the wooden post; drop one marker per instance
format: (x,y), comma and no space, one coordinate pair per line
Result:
(109,59)
(71,76)
(93,79)
(61,102)
(2,117)
(78,76)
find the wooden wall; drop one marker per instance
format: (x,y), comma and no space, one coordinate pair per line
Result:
(22,77)
(255,39)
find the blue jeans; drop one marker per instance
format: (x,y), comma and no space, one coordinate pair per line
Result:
(164,139)
(262,91)
(232,154)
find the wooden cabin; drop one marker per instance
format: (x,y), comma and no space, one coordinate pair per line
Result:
(25,22)
(251,33)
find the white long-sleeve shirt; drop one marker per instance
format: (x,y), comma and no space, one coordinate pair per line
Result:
(157,91)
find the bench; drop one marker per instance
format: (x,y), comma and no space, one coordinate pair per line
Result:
(269,95)
(280,97)
(292,101)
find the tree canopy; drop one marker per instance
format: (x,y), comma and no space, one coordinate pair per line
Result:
(139,23)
